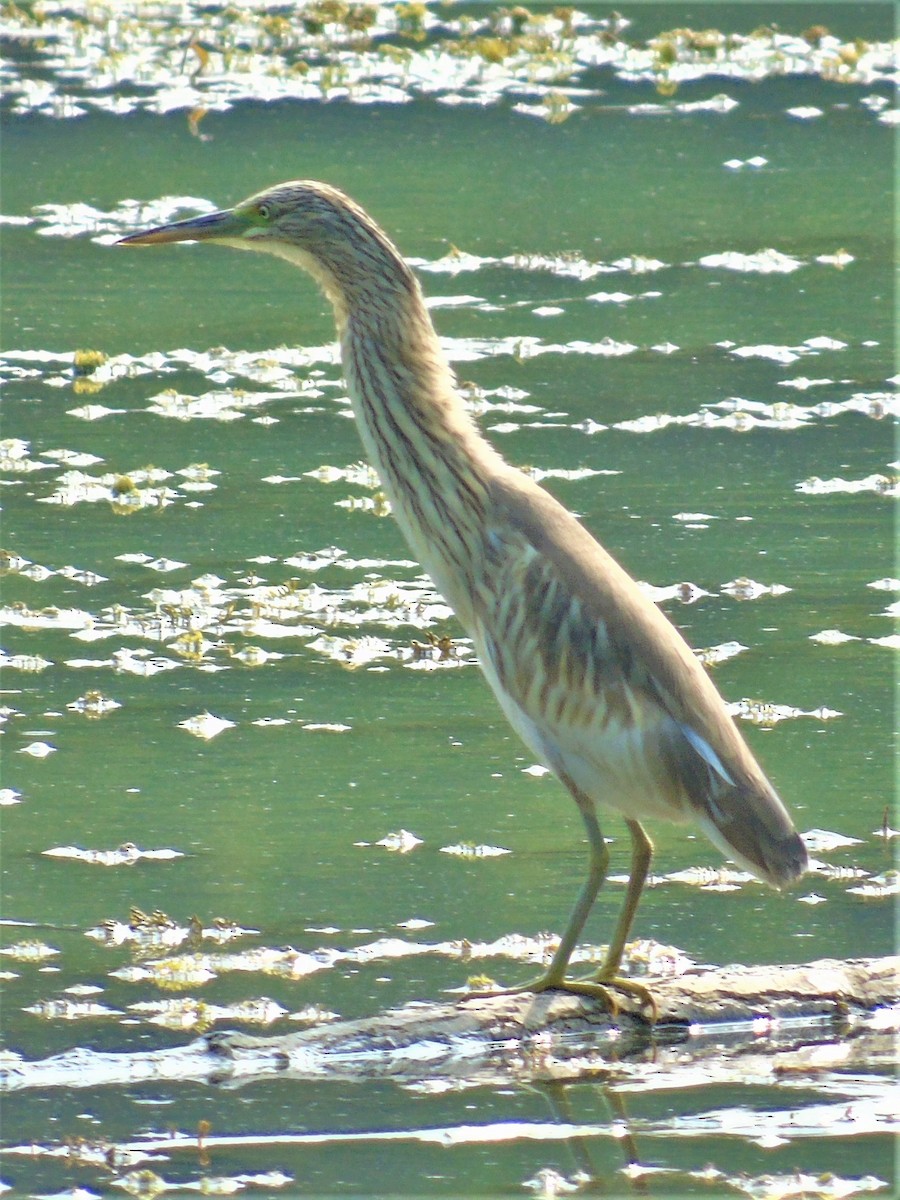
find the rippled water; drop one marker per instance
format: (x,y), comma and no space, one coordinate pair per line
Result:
(665,284)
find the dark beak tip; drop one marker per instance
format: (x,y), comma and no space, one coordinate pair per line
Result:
(134,239)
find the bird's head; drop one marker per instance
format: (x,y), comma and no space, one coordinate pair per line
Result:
(310,224)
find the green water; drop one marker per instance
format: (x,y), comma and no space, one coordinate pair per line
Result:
(269,816)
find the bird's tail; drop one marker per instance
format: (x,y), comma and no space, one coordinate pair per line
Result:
(740,811)
(755,830)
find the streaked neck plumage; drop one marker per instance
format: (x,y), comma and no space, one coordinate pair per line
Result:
(433,462)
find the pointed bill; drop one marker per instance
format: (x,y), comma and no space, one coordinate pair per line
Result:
(218,226)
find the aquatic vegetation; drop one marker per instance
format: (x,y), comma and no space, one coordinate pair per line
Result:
(119,57)
(381,617)
(93,704)
(879,887)
(881,485)
(125,856)
(149,931)
(766,714)
(186,1013)
(205,725)
(472,850)
(764,262)
(65,1009)
(711,656)
(29,951)
(402,842)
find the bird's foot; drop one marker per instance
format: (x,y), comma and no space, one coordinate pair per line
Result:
(631,986)
(595,986)
(603,987)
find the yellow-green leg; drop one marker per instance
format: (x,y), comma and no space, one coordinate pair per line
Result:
(641,854)
(607,976)
(598,863)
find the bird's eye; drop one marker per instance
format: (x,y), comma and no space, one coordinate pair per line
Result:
(264,211)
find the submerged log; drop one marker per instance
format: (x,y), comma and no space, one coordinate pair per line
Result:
(771,1015)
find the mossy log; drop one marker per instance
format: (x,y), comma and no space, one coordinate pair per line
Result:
(768,1013)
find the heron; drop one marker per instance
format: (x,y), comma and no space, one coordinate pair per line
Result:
(591,674)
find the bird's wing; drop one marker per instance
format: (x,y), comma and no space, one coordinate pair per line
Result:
(601,672)
(587,607)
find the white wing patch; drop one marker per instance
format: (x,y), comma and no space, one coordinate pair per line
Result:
(706,752)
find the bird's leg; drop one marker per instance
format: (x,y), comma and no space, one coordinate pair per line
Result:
(607,977)
(555,975)
(598,864)
(641,854)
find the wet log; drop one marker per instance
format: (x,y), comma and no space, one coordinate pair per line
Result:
(700,1010)
(771,1017)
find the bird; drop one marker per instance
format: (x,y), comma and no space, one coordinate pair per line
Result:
(590,673)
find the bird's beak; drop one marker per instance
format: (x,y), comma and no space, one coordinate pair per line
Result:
(228,225)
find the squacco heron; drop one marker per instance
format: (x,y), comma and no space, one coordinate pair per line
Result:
(592,676)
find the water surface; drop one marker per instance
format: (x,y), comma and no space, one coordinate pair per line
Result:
(676,308)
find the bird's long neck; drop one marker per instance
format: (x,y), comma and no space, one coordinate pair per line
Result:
(434,464)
